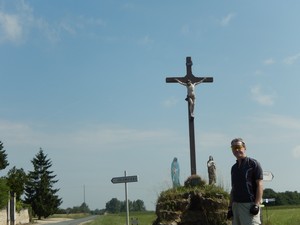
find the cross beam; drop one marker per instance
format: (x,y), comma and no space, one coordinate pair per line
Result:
(189,77)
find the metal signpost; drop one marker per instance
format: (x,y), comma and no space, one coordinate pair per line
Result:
(125,179)
(267,176)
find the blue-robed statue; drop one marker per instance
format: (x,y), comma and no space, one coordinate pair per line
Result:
(175,173)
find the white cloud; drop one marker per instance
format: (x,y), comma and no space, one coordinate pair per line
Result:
(260,97)
(296,151)
(10,28)
(128,6)
(21,21)
(269,61)
(145,40)
(15,24)
(185,29)
(21,135)
(213,139)
(227,19)
(258,72)
(281,121)
(291,59)
(170,102)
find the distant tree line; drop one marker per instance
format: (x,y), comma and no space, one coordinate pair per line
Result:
(282,198)
(116,206)
(83,208)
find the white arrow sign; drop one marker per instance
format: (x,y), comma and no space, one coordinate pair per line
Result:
(267,200)
(268,176)
(127,179)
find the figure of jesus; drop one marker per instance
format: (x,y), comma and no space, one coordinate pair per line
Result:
(191,97)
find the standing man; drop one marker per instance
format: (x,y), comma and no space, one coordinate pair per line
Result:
(247,187)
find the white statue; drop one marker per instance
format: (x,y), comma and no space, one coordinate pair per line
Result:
(190,93)
(211,167)
(175,173)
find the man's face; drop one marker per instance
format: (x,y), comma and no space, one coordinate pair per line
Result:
(239,151)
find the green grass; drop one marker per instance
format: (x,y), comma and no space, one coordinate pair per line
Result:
(144,218)
(289,215)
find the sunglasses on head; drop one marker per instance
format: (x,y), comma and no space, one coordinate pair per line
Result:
(237,147)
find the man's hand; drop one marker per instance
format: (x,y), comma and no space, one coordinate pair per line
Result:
(229,213)
(254,210)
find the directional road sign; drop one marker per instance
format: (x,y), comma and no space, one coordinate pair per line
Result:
(268,176)
(267,200)
(126,179)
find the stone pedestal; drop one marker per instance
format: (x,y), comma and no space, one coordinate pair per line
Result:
(194,204)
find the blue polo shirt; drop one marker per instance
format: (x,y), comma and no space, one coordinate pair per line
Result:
(243,180)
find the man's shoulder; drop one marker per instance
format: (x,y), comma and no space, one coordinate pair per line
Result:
(252,160)
(254,163)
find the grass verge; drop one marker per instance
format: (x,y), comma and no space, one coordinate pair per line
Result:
(144,218)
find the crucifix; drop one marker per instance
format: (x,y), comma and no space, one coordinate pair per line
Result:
(190,81)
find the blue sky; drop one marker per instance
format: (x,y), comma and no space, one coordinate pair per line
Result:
(85,81)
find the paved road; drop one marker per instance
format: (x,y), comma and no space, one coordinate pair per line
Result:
(73,222)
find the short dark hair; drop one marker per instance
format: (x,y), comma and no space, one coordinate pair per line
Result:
(238,141)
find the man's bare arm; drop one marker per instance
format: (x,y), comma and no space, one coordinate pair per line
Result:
(259,192)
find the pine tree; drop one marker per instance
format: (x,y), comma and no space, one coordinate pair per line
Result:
(3,161)
(39,190)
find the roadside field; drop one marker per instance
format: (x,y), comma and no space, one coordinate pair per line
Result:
(283,215)
(287,215)
(143,218)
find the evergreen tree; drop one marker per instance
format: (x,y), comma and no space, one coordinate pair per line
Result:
(3,161)
(39,190)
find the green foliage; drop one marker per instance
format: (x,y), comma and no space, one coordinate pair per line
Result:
(283,198)
(16,179)
(116,206)
(21,205)
(4,193)
(84,208)
(3,157)
(39,191)
(113,206)
(192,204)
(208,191)
(194,181)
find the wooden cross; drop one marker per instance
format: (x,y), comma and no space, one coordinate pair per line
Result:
(189,77)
